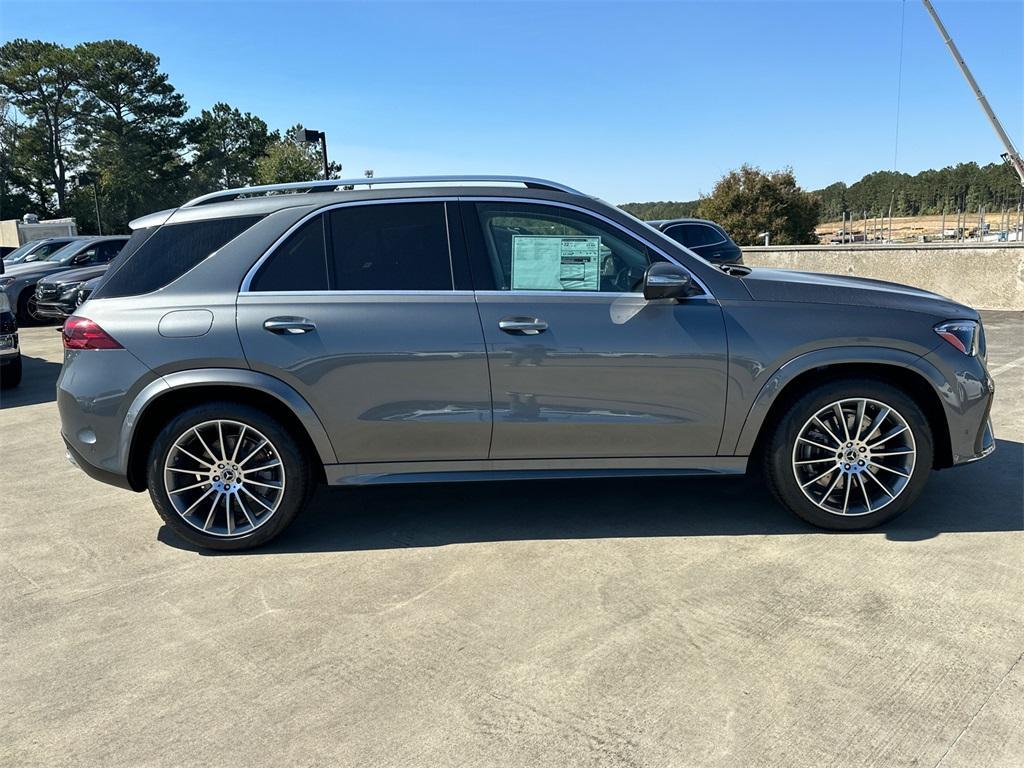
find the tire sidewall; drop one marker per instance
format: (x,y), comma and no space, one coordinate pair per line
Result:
(779,467)
(297,473)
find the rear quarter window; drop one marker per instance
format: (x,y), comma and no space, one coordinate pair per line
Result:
(157,256)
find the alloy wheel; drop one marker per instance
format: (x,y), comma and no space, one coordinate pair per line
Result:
(224,478)
(854,456)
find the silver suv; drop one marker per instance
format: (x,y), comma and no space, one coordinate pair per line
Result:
(254,342)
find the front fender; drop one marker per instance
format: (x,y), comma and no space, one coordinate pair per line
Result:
(231,377)
(744,441)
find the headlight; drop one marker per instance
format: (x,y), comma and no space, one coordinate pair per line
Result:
(67,291)
(5,303)
(962,334)
(6,281)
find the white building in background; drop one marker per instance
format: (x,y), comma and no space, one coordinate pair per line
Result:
(16,232)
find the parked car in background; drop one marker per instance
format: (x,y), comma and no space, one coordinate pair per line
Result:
(85,290)
(20,280)
(57,295)
(249,345)
(705,238)
(10,352)
(37,250)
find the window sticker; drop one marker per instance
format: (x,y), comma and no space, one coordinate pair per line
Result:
(556,263)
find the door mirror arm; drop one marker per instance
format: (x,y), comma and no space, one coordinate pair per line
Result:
(664,280)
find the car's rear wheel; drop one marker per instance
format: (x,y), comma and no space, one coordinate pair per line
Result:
(850,455)
(227,476)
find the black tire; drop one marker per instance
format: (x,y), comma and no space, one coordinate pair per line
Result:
(297,477)
(10,374)
(779,456)
(26,311)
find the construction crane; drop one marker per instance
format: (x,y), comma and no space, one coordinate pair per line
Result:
(1012,156)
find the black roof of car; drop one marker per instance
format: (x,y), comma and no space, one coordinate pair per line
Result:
(662,223)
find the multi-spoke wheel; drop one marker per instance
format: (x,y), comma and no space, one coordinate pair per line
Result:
(850,454)
(226,476)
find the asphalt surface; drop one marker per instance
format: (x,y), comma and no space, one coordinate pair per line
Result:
(661,622)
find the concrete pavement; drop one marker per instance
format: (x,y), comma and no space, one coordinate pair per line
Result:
(656,622)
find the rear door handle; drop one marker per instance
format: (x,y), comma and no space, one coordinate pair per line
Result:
(525,326)
(289,325)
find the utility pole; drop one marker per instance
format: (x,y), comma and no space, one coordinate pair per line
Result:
(1012,156)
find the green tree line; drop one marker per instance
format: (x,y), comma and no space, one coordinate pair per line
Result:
(964,186)
(101,115)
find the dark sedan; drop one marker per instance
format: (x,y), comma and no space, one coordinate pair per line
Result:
(57,295)
(705,238)
(20,280)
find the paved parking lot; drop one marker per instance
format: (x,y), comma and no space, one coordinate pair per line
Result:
(662,622)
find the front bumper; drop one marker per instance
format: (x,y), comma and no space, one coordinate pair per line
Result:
(967,401)
(55,310)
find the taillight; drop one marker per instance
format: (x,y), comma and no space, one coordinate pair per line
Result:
(82,333)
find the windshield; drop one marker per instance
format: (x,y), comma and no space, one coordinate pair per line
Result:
(66,254)
(24,253)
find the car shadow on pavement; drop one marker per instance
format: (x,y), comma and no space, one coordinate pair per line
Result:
(38,384)
(987,496)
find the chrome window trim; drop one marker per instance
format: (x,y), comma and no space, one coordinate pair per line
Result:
(354,294)
(247,280)
(696,224)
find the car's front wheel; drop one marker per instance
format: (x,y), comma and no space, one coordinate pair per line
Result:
(850,455)
(227,476)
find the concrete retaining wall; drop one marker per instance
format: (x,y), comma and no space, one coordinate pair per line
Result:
(984,276)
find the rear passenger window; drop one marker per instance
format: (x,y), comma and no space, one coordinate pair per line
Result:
(298,264)
(390,247)
(167,254)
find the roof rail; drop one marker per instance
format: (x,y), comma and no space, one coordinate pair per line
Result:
(329,184)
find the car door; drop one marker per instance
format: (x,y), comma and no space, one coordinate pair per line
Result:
(366,310)
(580,364)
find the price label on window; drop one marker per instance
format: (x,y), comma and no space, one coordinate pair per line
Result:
(556,263)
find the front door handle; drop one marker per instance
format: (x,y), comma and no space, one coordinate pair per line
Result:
(526,326)
(289,325)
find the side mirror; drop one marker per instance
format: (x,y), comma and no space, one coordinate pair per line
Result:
(665,280)
(81,258)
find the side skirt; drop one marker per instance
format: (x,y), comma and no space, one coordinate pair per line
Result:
(378,473)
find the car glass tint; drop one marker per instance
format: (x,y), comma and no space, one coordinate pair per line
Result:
(298,264)
(168,253)
(391,247)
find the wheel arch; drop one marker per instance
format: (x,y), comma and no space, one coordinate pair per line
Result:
(157,403)
(912,374)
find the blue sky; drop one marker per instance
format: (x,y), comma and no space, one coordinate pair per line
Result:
(627,100)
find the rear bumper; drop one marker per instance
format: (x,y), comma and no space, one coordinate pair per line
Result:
(104,476)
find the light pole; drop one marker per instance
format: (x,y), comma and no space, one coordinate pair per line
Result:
(767,237)
(306,136)
(92,179)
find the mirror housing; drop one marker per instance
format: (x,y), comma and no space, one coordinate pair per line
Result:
(665,280)
(81,258)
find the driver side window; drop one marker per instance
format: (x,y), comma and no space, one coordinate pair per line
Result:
(534,247)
